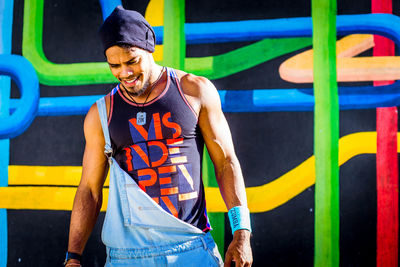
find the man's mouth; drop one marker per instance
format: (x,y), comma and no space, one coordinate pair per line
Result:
(131,82)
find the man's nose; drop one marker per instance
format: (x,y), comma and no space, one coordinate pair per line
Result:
(126,72)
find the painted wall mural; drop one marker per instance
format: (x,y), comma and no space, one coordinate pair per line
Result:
(262,64)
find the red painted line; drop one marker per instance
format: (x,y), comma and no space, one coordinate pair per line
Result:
(386,162)
(387,188)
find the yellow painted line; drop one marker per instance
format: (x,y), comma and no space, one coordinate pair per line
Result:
(269,196)
(299,68)
(45,175)
(260,198)
(40,197)
(155,16)
(62,175)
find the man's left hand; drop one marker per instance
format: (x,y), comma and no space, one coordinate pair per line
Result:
(239,250)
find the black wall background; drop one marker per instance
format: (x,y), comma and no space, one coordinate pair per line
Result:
(267,144)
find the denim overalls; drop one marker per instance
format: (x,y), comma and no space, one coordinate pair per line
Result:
(138,232)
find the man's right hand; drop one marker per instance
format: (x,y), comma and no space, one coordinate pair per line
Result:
(73,263)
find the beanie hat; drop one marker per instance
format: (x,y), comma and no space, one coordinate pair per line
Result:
(127,27)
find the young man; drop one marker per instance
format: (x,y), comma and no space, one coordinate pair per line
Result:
(150,131)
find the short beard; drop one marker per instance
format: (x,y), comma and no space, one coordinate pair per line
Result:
(139,92)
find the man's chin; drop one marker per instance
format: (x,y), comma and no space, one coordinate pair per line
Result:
(133,91)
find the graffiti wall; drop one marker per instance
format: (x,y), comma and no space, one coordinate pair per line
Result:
(270,73)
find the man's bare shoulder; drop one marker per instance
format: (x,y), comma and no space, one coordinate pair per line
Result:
(196,86)
(92,124)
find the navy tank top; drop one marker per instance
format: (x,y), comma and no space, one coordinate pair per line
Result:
(164,155)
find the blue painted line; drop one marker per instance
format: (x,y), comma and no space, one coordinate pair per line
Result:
(387,25)
(366,97)
(107,6)
(61,106)
(259,100)
(268,100)
(23,73)
(5,90)
(57,106)
(6,19)
(384,24)
(3,238)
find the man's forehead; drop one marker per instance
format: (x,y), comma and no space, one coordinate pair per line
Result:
(130,51)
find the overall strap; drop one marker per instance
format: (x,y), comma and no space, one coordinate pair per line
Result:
(101,107)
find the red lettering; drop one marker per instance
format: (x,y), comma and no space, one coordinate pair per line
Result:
(172,125)
(164,170)
(128,158)
(139,128)
(170,206)
(157,126)
(164,155)
(141,154)
(148,182)
(172,142)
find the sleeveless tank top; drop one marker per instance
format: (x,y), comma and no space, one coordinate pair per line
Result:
(163,155)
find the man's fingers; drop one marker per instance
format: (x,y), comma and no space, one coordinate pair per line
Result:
(239,262)
(228,259)
(248,263)
(237,259)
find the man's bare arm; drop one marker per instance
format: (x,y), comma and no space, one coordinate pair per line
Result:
(88,198)
(218,139)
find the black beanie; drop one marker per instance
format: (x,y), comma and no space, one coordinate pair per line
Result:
(127,27)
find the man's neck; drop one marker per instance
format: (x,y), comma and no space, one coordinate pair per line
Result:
(155,87)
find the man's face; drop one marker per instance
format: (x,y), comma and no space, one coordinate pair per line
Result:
(131,66)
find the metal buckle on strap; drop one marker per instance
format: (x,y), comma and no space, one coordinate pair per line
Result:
(108,152)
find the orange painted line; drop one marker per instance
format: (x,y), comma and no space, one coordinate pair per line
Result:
(299,68)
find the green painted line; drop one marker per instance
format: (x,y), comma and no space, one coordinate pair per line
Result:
(244,58)
(217,219)
(48,72)
(174,34)
(213,67)
(326,134)
(174,56)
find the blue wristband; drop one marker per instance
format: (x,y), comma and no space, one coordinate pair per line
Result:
(239,218)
